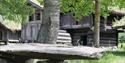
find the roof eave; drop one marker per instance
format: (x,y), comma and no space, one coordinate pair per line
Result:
(38,6)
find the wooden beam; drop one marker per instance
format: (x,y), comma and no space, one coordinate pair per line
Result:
(47,51)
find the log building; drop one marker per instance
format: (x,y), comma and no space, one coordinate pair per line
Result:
(9,31)
(82,31)
(30,30)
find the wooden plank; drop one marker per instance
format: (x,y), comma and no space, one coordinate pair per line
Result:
(107,41)
(46,51)
(64,34)
(108,45)
(108,38)
(63,41)
(63,38)
(3,42)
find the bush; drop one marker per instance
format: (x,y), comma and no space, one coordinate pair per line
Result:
(121,39)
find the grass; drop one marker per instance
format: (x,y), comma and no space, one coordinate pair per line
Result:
(108,57)
(121,45)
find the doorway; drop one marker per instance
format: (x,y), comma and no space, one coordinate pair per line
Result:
(83,40)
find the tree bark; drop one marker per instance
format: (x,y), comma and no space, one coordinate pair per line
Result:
(97,24)
(50,23)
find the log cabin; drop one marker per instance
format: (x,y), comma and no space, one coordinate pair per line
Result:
(9,31)
(30,30)
(82,31)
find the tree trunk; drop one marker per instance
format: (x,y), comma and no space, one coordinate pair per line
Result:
(97,24)
(50,22)
(50,25)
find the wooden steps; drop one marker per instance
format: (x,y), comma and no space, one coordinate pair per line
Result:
(63,37)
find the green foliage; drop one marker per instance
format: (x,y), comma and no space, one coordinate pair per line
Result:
(16,10)
(121,40)
(41,2)
(78,7)
(85,7)
(108,57)
(120,3)
(121,37)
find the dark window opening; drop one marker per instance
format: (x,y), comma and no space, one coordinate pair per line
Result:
(31,18)
(84,40)
(37,16)
(109,23)
(110,19)
(0,35)
(77,22)
(19,34)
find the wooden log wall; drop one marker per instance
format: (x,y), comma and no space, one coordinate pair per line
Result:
(107,38)
(67,21)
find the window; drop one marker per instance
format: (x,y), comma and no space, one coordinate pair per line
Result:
(83,40)
(37,16)
(31,18)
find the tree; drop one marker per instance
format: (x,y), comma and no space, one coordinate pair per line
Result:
(50,23)
(15,10)
(97,23)
(121,39)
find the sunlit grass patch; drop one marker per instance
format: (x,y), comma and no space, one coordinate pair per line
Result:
(121,45)
(108,57)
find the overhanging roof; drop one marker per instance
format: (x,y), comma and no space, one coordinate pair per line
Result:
(11,25)
(35,4)
(116,10)
(119,23)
